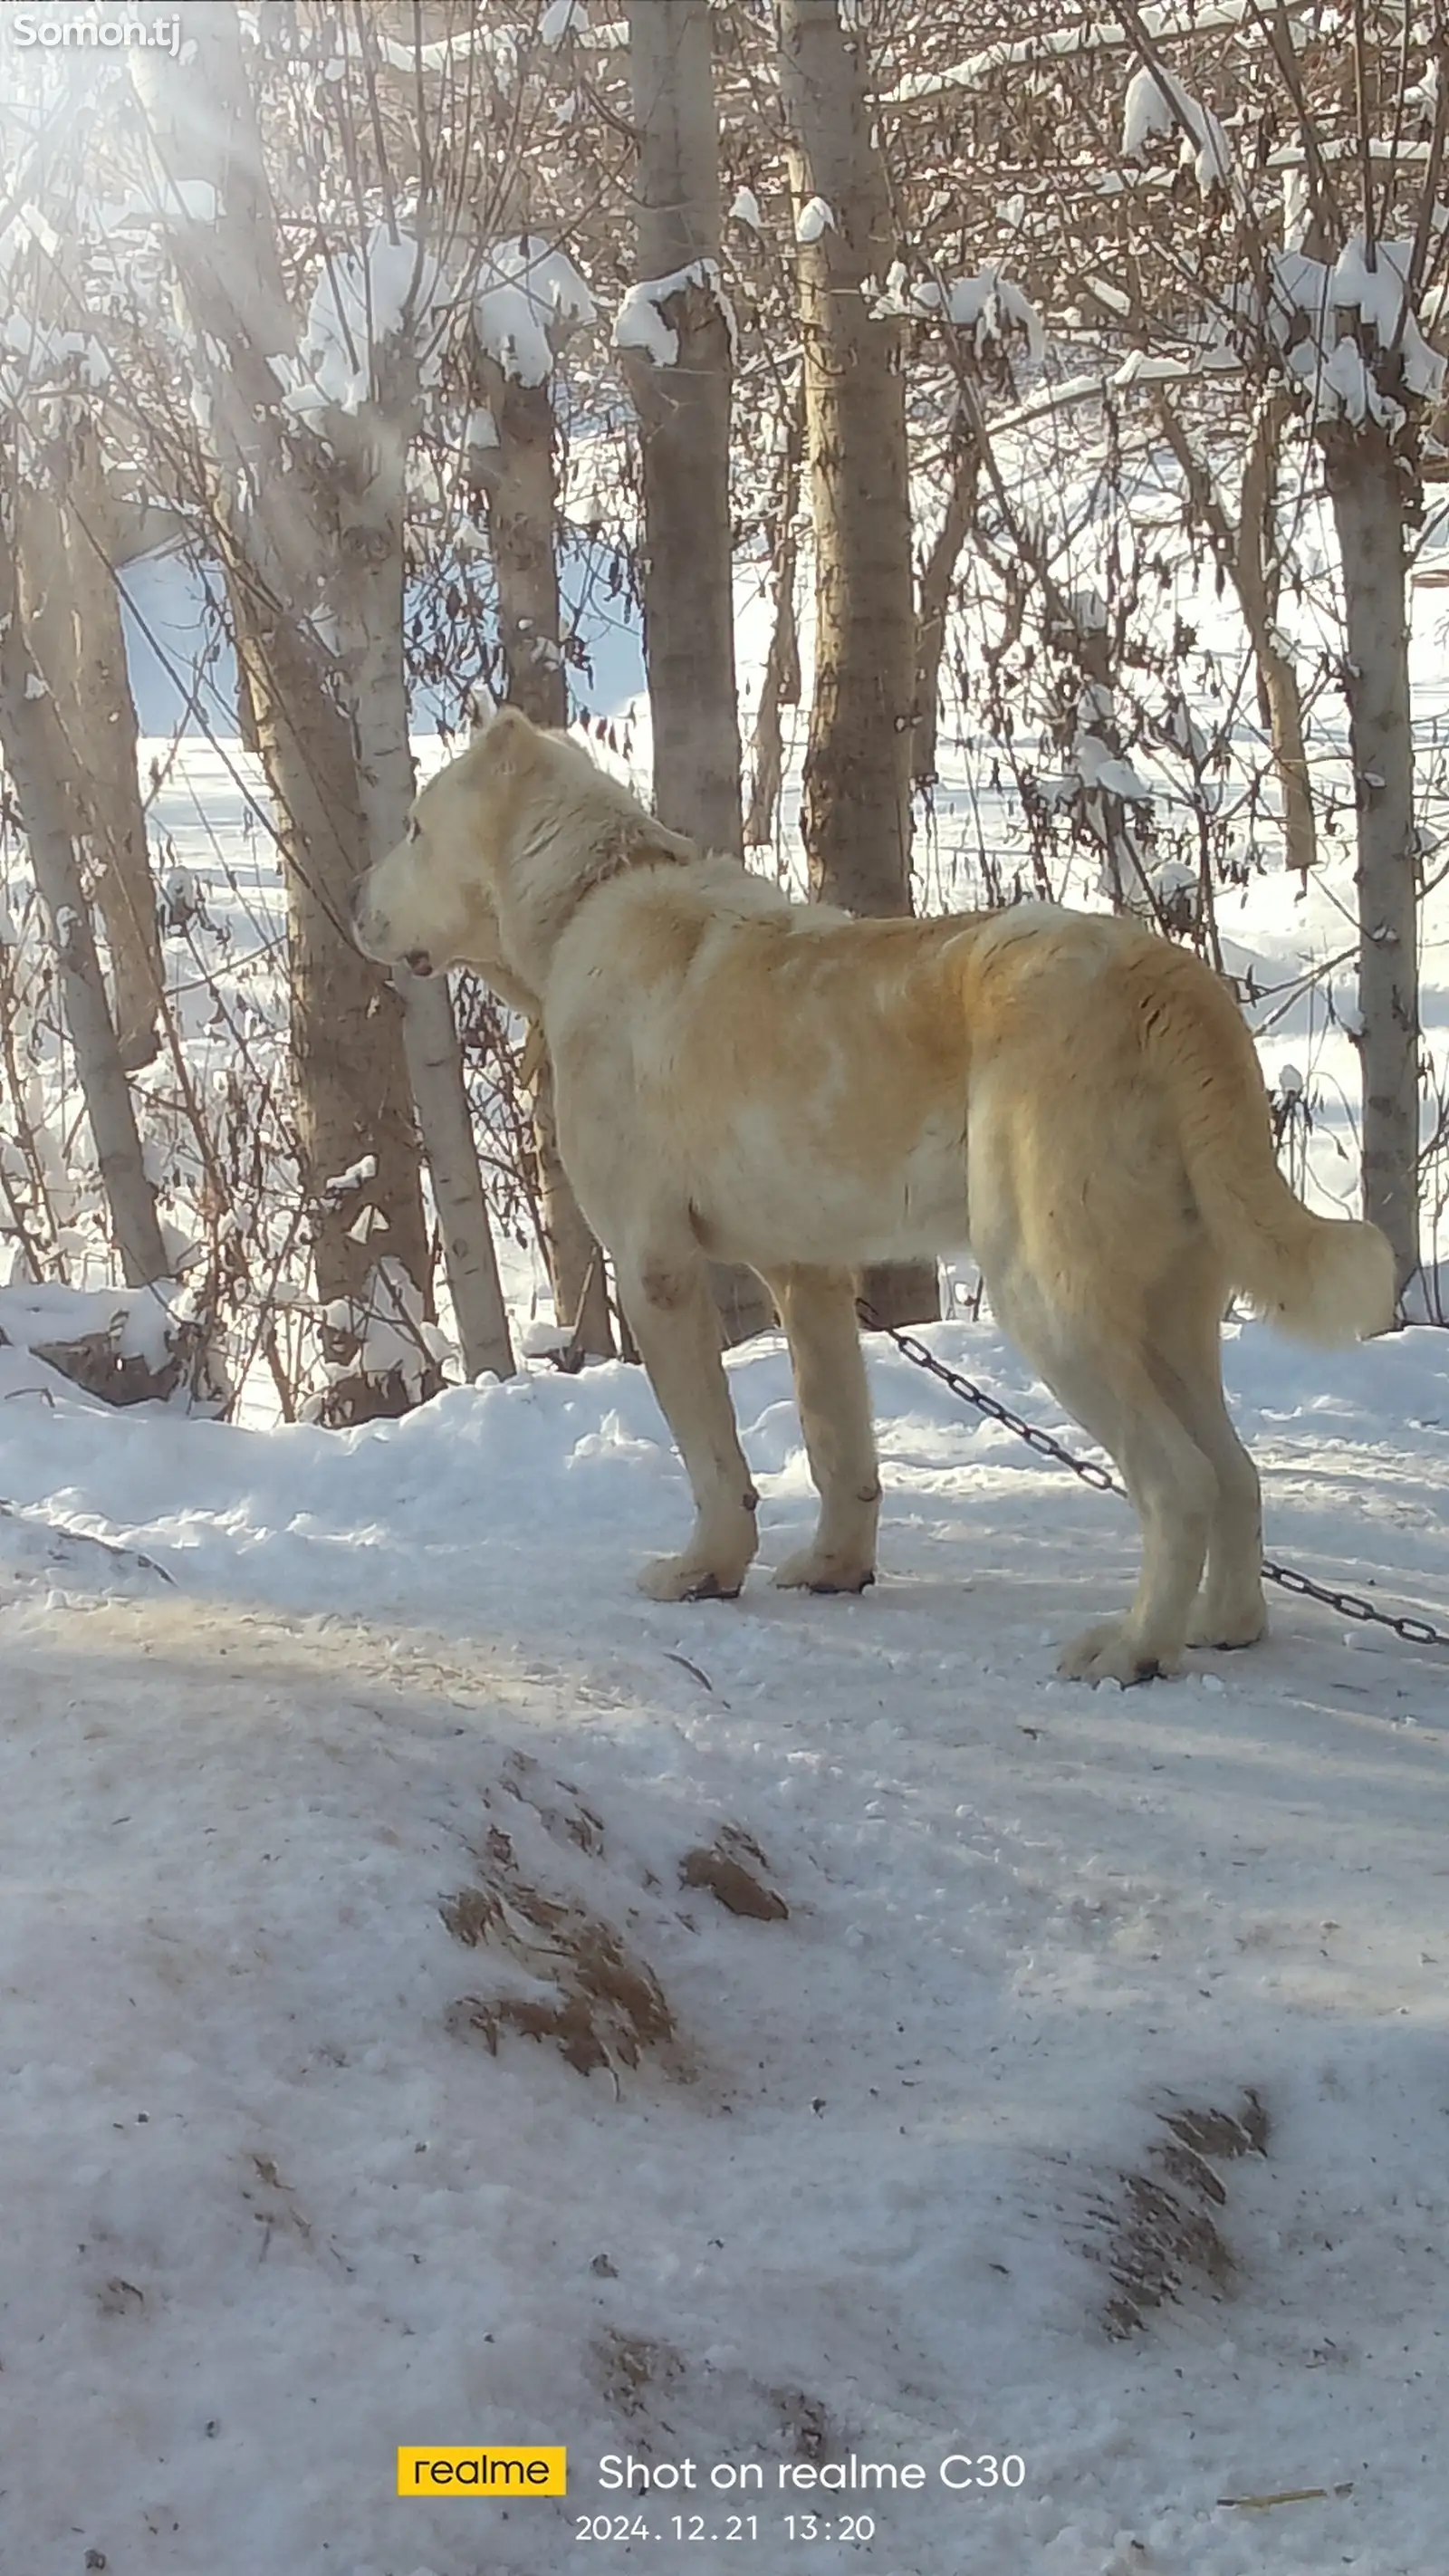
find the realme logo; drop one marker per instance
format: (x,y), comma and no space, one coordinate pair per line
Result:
(471,2472)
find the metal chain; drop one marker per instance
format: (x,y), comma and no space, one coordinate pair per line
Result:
(1349,1605)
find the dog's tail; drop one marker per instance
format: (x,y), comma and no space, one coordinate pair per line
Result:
(1322,1279)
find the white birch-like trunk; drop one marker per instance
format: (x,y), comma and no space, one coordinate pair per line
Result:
(74,634)
(519,483)
(104,719)
(367,600)
(36,758)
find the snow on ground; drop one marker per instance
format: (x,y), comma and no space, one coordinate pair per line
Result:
(278,2209)
(281,2209)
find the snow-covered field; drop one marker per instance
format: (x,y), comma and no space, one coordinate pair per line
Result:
(276,2208)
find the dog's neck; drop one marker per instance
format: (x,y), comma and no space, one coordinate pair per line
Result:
(549,889)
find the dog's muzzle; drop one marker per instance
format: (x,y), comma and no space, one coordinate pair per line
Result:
(417,960)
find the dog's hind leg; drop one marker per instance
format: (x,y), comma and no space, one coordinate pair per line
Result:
(1101,1371)
(674,1322)
(1185,1337)
(817,1309)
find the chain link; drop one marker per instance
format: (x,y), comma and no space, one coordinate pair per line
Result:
(1349,1605)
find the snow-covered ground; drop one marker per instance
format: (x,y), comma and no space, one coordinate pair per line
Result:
(279,2206)
(275,2207)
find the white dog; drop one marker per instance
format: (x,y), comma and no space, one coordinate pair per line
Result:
(744,1079)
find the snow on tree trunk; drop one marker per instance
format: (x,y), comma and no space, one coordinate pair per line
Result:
(1368,488)
(677,355)
(856,810)
(519,480)
(35,755)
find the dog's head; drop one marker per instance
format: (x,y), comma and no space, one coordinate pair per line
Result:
(437,899)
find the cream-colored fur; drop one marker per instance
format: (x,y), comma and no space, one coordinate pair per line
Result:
(741,1079)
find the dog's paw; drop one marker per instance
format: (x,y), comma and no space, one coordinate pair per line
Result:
(1111,1652)
(1225,1628)
(683,1578)
(816,1569)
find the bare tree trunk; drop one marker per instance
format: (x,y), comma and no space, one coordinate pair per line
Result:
(104,719)
(933,604)
(351,1088)
(1257,583)
(1245,555)
(684,428)
(780,685)
(36,758)
(72,621)
(28,1197)
(435,1070)
(1368,489)
(520,482)
(684,422)
(367,598)
(856,813)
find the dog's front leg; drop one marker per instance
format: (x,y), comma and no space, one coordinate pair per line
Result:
(673,1319)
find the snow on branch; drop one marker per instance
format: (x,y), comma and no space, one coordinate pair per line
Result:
(528,291)
(987,305)
(1086,36)
(814,218)
(496,46)
(1316,315)
(640,322)
(1157,104)
(563,18)
(394,293)
(36,352)
(163,201)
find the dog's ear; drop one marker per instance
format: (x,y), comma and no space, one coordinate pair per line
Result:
(510,736)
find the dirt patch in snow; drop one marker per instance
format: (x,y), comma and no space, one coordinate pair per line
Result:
(1163,2235)
(599,2002)
(646,2380)
(732,1870)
